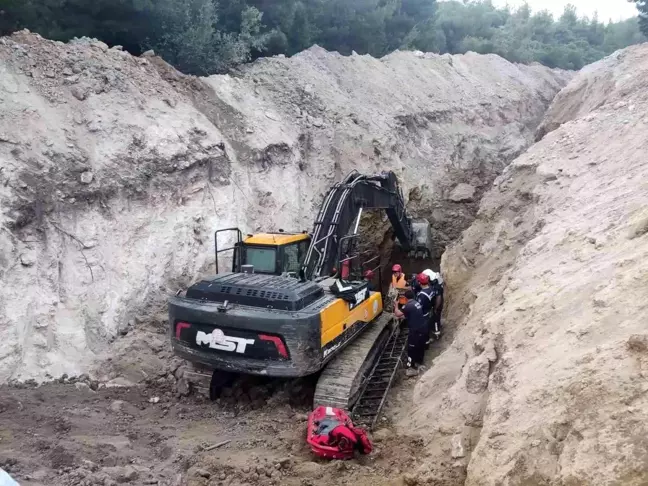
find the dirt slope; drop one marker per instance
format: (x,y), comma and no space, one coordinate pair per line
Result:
(116,170)
(545,381)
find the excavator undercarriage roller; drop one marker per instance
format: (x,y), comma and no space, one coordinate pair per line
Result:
(344,377)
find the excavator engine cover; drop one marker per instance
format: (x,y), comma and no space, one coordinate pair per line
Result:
(331,434)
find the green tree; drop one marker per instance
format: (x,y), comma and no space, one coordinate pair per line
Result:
(211,36)
(523,36)
(642,7)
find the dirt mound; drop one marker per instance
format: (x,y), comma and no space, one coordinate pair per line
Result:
(545,380)
(116,170)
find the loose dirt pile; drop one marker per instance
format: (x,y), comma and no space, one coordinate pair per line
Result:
(116,171)
(545,382)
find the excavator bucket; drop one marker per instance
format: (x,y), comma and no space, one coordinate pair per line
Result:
(422,245)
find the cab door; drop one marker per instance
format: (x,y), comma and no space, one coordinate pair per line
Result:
(293,256)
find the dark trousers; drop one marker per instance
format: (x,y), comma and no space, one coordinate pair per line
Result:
(435,323)
(416,346)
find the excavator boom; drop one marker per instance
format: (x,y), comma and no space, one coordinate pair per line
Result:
(342,209)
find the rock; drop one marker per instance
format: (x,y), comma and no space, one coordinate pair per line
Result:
(28,258)
(489,352)
(318,122)
(284,462)
(477,374)
(39,475)
(125,474)
(119,382)
(102,46)
(80,92)
(83,387)
(149,53)
(183,388)
(203,473)
(638,343)
(156,399)
(462,193)
(308,469)
(410,479)
(381,435)
(457,447)
(179,372)
(86,177)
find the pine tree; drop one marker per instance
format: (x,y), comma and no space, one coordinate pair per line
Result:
(642,6)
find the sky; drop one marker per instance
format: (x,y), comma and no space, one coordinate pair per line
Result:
(614,9)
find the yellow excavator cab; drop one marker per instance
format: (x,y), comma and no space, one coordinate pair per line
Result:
(266,253)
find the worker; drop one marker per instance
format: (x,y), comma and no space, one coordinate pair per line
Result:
(414,284)
(426,297)
(436,282)
(418,329)
(438,304)
(368,277)
(399,284)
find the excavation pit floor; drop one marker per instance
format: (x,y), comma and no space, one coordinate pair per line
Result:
(68,434)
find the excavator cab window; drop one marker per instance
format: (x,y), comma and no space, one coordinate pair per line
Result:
(263,258)
(293,256)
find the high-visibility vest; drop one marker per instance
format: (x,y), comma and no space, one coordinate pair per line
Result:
(400,284)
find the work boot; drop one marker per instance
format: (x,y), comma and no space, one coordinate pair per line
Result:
(410,372)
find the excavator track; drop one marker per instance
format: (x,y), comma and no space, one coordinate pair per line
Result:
(344,377)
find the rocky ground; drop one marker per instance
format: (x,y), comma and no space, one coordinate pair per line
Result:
(81,432)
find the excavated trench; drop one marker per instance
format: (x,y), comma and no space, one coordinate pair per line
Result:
(272,140)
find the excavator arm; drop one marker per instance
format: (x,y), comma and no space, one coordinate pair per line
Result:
(340,216)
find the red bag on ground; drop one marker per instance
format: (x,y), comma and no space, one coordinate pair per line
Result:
(331,434)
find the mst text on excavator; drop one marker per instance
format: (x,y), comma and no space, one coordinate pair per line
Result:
(285,309)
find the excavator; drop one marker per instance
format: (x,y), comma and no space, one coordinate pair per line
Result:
(295,304)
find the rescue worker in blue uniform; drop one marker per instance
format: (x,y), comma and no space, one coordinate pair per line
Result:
(418,326)
(436,282)
(426,297)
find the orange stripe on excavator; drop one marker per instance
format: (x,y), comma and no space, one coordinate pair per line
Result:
(337,318)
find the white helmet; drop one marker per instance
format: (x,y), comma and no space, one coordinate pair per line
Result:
(431,273)
(434,276)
